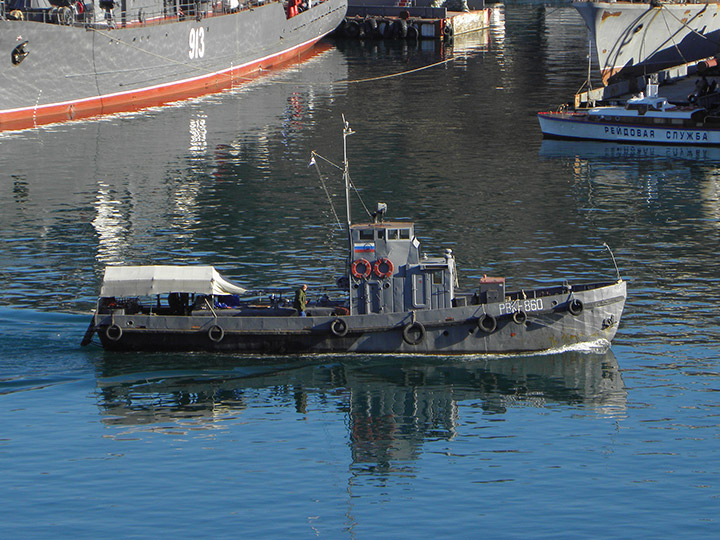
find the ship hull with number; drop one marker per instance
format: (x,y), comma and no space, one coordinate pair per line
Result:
(551,318)
(120,60)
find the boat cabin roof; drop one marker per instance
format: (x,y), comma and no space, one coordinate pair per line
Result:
(384,225)
(655,103)
(151,280)
(389,230)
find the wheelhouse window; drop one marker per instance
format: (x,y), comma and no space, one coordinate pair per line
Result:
(398,234)
(366,234)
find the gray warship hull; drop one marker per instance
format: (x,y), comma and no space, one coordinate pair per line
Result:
(528,321)
(60,72)
(636,38)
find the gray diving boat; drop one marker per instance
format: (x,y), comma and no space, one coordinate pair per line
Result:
(394,300)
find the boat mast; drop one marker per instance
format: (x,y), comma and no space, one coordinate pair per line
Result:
(346,176)
(346,173)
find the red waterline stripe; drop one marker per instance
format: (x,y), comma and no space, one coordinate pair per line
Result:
(134,100)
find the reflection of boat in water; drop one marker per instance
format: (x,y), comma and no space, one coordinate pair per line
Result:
(635,38)
(393,405)
(642,119)
(395,300)
(100,57)
(555,148)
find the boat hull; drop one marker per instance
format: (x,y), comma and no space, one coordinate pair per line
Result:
(633,39)
(547,322)
(74,72)
(571,125)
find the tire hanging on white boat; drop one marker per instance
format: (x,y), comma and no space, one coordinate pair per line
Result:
(575,306)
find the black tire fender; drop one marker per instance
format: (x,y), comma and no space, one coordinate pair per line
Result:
(487,323)
(414,333)
(519,317)
(339,327)
(575,306)
(352,29)
(113,332)
(371,27)
(216,333)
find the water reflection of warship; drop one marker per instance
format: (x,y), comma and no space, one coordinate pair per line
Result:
(393,404)
(125,169)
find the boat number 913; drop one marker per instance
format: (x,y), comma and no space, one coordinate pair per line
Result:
(197,42)
(530,304)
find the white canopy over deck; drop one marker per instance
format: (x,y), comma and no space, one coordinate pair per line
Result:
(152,280)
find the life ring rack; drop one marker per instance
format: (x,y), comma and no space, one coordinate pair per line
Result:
(365,273)
(378,270)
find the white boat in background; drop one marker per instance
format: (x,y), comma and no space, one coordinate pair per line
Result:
(638,38)
(643,119)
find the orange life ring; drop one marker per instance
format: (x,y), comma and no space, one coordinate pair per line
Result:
(365,273)
(387,262)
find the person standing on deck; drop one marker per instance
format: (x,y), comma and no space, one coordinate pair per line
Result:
(300,300)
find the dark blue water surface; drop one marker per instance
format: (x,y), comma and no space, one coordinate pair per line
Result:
(618,443)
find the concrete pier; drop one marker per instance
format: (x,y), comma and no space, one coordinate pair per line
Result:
(403,20)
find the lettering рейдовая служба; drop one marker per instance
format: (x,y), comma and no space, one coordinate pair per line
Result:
(649,134)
